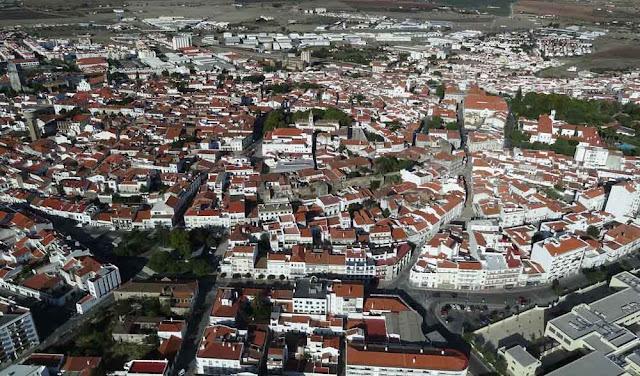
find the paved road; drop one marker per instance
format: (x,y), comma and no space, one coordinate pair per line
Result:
(477,366)
(510,126)
(467,212)
(196,324)
(65,330)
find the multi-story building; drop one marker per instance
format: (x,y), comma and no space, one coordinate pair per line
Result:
(286,141)
(478,106)
(345,298)
(181,41)
(591,156)
(372,360)
(484,141)
(17,330)
(519,361)
(240,259)
(593,199)
(559,257)
(624,199)
(310,296)
(222,352)
(603,331)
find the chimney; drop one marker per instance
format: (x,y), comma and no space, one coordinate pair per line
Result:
(414,360)
(421,350)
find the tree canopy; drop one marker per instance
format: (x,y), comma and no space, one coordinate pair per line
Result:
(385,165)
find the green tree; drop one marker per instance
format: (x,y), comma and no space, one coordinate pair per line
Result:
(200,268)
(160,262)
(255,78)
(275,119)
(354,208)
(440,90)
(161,235)
(434,122)
(179,240)
(593,231)
(385,165)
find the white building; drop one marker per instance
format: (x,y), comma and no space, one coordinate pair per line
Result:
(221,351)
(603,331)
(17,330)
(371,360)
(591,156)
(593,199)
(286,141)
(310,297)
(559,257)
(240,259)
(181,41)
(624,199)
(519,361)
(345,298)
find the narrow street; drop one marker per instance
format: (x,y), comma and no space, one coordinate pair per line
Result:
(199,318)
(196,325)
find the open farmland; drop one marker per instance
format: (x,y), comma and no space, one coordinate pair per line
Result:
(611,54)
(597,10)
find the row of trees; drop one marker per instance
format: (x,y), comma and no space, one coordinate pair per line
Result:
(560,146)
(278,118)
(177,257)
(350,54)
(574,111)
(385,165)
(436,122)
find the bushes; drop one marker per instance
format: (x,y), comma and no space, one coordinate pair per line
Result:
(278,119)
(435,122)
(255,78)
(275,119)
(385,165)
(561,146)
(593,231)
(179,261)
(595,275)
(573,111)
(351,54)
(174,263)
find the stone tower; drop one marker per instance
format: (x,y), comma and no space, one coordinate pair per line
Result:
(30,116)
(14,77)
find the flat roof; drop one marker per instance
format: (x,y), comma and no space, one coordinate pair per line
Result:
(522,356)
(305,288)
(406,324)
(594,364)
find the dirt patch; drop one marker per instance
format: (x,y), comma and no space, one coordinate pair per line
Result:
(596,10)
(562,10)
(627,52)
(611,55)
(387,4)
